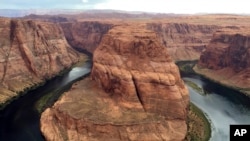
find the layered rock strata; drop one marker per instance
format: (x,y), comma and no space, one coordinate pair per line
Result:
(30,53)
(132,64)
(135,93)
(226,59)
(184,41)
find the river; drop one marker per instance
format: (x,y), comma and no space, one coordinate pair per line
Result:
(221,105)
(19,121)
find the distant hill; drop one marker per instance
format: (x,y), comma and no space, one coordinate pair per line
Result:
(82,13)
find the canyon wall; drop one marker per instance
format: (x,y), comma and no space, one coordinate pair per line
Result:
(30,53)
(226,59)
(184,41)
(85,35)
(135,92)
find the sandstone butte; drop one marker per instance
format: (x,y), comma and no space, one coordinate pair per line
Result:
(135,92)
(226,59)
(30,53)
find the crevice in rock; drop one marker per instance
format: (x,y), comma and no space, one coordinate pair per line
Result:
(137,93)
(25,56)
(7,52)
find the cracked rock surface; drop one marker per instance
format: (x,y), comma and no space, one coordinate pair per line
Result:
(134,93)
(30,53)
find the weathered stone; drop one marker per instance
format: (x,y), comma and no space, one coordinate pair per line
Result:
(226,59)
(30,53)
(135,93)
(185,41)
(85,35)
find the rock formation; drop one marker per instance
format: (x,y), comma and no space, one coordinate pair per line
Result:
(184,41)
(85,35)
(135,93)
(226,59)
(30,53)
(131,64)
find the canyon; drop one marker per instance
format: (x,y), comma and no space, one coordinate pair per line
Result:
(134,91)
(31,52)
(226,59)
(86,35)
(120,101)
(185,41)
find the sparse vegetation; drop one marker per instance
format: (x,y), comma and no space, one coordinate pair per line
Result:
(195,87)
(199,128)
(186,66)
(50,98)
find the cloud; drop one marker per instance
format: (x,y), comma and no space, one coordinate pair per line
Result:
(85,1)
(48,4)
(178,6)
(163,6)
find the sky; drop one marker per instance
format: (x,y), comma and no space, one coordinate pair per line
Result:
(159,6)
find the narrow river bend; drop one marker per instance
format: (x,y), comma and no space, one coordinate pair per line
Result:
(221,105)
(19,121)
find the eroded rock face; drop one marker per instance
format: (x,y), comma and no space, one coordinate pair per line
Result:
(133,65)
(184,41)
(85,35)
(226,58)
(88,113)
(31,52)
(135,93)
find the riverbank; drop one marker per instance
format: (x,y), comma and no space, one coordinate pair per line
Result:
(20,120)
(190,67)
(9,96)
(199,128)
(212,76)
(228,92)
(49,99)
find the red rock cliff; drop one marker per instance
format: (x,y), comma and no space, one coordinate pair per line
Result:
(136,93)
(226,59)
(184,41)
(132,65)
(85,35)
(30,52)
